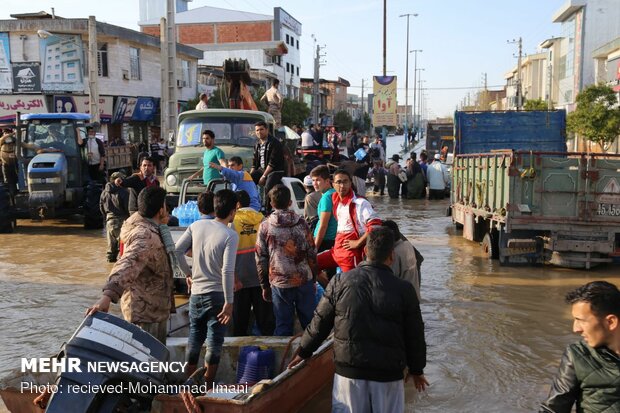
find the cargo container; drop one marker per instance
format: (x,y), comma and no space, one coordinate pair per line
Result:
(534,207)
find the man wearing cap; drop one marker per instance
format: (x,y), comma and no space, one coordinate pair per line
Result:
(311,202)
(114,205)
(438,178)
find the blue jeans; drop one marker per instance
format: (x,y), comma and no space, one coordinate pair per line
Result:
(286,301)
(203,324)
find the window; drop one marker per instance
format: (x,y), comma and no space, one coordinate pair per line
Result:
(287,39)
(288,68)
(297,44)
(134,63)
(297,70)
(69,64)
(102,60)
(70,54)
(185,72)
(71,76)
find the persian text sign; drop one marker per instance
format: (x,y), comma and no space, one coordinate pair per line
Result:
(384,102)
(10,104)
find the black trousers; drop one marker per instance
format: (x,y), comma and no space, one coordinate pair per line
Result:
(247,300)
(273,179)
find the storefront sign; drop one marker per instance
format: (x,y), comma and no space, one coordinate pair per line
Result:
(145,109)
(6,78)
(81,104)
(10,104)
(62,63)
(27,77)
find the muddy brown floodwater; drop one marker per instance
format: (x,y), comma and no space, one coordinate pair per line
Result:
(495,334)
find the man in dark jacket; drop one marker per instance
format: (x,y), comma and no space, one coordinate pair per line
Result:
(268,165)
(114,205)
(372,348)
(589,375)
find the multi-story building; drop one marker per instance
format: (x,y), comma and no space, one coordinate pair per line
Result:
(155,9)
(404,113)
(586,25)
(50,73)
(532,78)
(269,43)
(332,94)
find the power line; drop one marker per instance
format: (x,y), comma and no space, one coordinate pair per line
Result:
(445,88)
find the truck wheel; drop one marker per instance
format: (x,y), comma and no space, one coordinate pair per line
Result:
(490,245)
(7,218)
(92,214)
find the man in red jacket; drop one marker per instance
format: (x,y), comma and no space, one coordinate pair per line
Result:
(356,218)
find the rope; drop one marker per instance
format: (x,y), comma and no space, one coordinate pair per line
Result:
(191,405)
(286,351)
(529,173)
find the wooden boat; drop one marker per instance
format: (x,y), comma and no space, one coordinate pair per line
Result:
(288,391)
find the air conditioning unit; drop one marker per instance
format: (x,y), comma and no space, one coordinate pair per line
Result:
(181,83)
(125,74)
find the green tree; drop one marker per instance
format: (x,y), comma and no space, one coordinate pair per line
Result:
(294,112)
(535,104)
(362,124)
(343,121)
(597,117)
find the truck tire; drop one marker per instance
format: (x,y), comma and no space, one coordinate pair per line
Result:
(490,245)
(92,214)
(7,217)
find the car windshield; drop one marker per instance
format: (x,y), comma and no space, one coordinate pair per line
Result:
(228,131)
(50,135)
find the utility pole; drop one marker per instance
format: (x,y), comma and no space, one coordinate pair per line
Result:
(415,73)
(549,81)
(407,79)
(362,117)
(518,93)
(169,72)
(316,98)
(93,70)
(384,37)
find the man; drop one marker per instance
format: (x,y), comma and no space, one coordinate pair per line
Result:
(325,230)
(371,349)
(438,178)
(202,103)
(142,277)
(416,182)
(145,178)
(95,154)
(355,219)
(377,153)
(286,260)
(214,248)
(307,140)
(248,294)
(268,163)
(311,202)
(393,176)
(273,99)
(351,142)
(114,206)
(406,259)
(241,179)
(212,154)
(8,159)
(589,375)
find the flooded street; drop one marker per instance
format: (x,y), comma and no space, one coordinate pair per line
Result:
(495,335)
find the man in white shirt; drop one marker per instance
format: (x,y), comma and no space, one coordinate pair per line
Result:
(202,103)
(95,154)
(438,178)
(274,101)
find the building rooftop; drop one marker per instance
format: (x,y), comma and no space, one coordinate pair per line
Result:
(568,9)
(209,14)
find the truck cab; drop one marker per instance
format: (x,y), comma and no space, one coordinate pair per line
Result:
(234,134)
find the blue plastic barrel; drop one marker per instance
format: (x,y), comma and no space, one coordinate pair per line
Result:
(255,365)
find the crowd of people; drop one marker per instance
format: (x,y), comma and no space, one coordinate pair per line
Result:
(245,263)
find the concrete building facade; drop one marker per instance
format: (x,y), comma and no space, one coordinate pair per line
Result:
(51,74)
(269,42)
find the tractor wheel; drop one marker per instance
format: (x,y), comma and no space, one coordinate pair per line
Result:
(7,218)
(92,214)
(490,245)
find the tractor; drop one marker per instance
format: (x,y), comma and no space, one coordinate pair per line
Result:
(52,172)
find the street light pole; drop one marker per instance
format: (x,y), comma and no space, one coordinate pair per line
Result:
(419,79)
(415,70)
(407,15)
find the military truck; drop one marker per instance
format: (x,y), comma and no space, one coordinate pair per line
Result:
(234,134)
(52,174)
(538,205)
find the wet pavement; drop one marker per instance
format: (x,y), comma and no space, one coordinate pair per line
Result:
(495,334)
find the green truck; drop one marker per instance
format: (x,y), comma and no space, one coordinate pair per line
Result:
(517,191)
(234,134)
(530,207)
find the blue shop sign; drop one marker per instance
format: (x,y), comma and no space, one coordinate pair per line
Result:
(145,109)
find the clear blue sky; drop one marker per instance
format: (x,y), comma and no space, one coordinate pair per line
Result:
(460,40)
